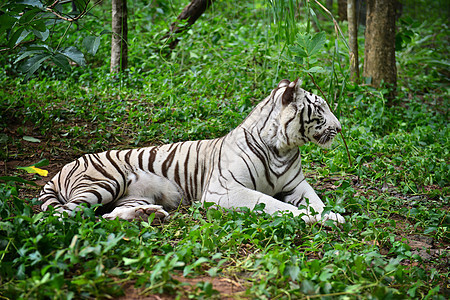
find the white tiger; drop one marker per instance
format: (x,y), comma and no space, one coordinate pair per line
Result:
(257,162)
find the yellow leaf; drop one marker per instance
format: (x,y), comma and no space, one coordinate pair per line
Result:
(41,172)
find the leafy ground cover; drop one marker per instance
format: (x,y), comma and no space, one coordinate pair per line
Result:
(394,244)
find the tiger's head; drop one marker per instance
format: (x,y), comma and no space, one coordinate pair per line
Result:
(304,117)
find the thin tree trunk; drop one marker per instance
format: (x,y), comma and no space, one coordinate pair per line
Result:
(379,55)
(190,14)
(119,45)
(353,39)
(342,10)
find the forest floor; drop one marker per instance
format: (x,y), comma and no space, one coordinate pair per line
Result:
(430,250)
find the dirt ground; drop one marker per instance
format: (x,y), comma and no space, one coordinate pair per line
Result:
(227,288)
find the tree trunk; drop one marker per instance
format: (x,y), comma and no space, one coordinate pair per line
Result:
(379,55)
(353,39)
(190,14)
(342,10)
(119,46)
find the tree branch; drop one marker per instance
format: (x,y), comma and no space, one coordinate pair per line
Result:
(51,9)
(190,14)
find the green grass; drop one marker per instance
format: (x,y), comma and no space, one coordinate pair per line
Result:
(394,243)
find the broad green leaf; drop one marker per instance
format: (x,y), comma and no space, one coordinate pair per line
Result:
(129,261)
(16,179)
(81,4)
(40,47)
(6,22)
(42,35)
(34,63)
(39,25)
(192,266)
(90,249)
(316,70)
(18,36)
(307,287)
(61,61)
(317,42)
(26,65)
(430,229)
(28,16)
(105,32)
(35,3)
(91,44)
(353,288)
(74,54)
(111,242)
(298,51)
(293,271)
(27,54)
(325,275)
(42,163)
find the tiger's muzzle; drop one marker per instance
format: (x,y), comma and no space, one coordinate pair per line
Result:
(325,138)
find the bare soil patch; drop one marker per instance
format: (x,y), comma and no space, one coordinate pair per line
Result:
(227,289)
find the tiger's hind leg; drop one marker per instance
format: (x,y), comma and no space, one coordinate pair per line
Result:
(147,193)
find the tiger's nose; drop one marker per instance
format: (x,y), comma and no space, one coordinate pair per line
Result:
(338,128)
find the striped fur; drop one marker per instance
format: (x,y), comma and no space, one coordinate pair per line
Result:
(257,162)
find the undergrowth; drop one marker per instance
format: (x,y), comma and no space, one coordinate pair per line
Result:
(394,196)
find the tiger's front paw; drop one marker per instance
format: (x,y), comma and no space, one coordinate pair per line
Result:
(311,219)
(337,218)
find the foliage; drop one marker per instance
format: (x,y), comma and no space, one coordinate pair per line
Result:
(395,194)
(33,29)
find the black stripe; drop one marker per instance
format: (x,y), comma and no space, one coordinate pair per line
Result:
(80,201)
(127,157)
(151,159)
(251,174)
(235,179)
(251,144)
(141,160)
(287,124)
(299,171)
(169,160)
(268,115)
(113,162)
(188,191)
(109,176)
(310,110)
(197,156)
(97,158)
(103,185)
(302,124)
(219,161)
(97,194)
(176,175)
(58,191)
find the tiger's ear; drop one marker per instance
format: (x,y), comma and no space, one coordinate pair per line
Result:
(288,95)
(298,84)
(283,83)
